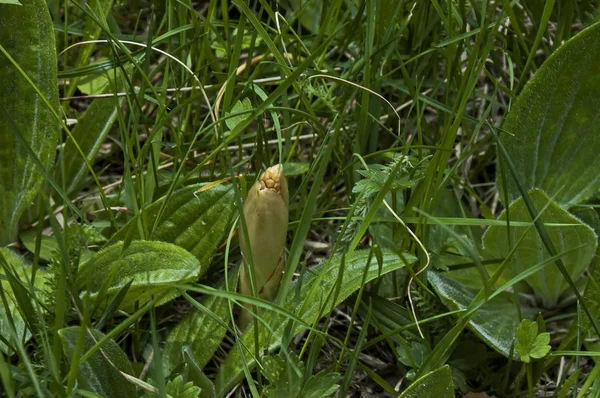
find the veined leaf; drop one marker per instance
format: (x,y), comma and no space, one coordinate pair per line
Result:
(199,330)
(22,271)
(26,36)
(320,303)
(195,218)
(101,373)
(495,322)
(553,125)
(576,240)
(592,299)
(153,267)
(89,132)
(531,343)
(434,384)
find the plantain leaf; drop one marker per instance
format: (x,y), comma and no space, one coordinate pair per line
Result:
(152,267)
(434,384)
(592,300)
(576,240)
(19,268)
(309,307)
(495,322)
(199,330)
(553,125)
(101,373)
(27,36)
(89,133)
(195,218)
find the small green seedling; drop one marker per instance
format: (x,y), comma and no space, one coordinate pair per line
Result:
(531,344)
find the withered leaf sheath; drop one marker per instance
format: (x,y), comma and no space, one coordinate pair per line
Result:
(266,214)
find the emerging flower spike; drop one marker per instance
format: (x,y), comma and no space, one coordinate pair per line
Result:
(266,214)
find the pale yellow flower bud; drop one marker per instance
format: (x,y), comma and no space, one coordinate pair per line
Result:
(266,214)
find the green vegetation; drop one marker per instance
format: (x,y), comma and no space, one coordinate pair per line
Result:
(441,164)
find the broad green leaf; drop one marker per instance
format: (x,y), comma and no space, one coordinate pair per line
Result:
(592,300)
(240,106)
(101,373)
(195,218)
(97,83)
(199,331)
(320,303)
(89,133)
(27,36)
(576,240)
(495,322)
(531,344)
(48,244)
(285,375)
(436,384)
(292,169)
(323,384)
(14,2)
(22,270)
(153,267)
(552,129)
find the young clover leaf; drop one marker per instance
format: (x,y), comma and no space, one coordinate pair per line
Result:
(531,344)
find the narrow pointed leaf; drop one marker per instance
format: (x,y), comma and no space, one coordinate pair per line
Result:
(199,331)
(89,133)
(435,384)
(101,373)
(320,304)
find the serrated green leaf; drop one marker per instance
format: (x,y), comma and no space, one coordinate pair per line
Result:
(531,344)
(541,346)
(195,218)
(176,388)
(26,35)
(199,331)
(101,373)
(231,371)
(553,125)
(434,384)
(576,240)
(152,266)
